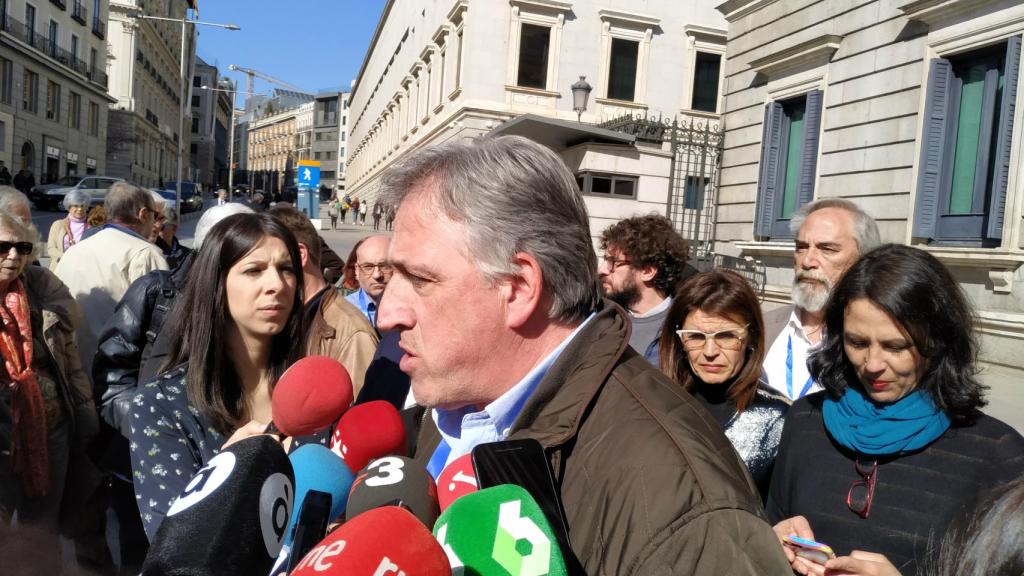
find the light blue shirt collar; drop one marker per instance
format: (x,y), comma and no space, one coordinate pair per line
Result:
(464,428)
(360,299)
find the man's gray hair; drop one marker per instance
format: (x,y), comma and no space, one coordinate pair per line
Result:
(124,200)
(865,230)
(512,195)
(77,198)
(214,215)
(11,196)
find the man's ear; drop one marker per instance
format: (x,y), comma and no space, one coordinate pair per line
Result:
(523,292)
(648,273)
(303,254)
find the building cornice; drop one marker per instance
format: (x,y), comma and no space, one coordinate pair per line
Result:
(814,52)
(707,33)
(633,19)
(933,11)
(735,9)
(544,5)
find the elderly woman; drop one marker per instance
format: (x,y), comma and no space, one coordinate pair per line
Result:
(67,232)
(895,444)
(47,413)
(712,344)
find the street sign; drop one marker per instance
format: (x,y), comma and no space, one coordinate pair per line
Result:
(309,174)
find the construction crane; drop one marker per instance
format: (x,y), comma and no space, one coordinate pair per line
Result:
(251,75)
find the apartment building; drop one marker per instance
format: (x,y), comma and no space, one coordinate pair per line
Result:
(277,141)
(146,84)
(442,69)
(327,134)
(53,87)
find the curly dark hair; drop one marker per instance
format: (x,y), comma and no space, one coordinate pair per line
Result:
(920,295)
(651,241)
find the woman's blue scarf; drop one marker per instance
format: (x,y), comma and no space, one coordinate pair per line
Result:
(906,425)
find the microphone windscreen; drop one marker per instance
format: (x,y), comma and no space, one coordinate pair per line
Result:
(310,395)
(317,468)
(237,507)
(368,431)
(456,480)
(499,530)
(386,540)
(394,480)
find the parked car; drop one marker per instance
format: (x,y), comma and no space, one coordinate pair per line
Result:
(191,197)
(51,196)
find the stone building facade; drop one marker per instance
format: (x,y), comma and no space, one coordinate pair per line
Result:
(53,87)
(910,108)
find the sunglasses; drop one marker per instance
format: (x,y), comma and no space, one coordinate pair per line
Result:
(23,248)
(858,499)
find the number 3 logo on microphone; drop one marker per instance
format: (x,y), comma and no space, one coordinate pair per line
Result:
(388,471)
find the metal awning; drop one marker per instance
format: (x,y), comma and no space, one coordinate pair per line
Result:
(559,134)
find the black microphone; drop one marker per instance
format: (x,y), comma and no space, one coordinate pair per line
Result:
(232,517)
(394,481)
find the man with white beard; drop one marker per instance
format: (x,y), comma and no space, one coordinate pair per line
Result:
(831,234)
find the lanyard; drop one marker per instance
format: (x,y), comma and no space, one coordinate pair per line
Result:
(789,373)
(439,459)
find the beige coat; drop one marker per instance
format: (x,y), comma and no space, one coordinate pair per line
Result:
(98,271)
(55,242)
(340,331)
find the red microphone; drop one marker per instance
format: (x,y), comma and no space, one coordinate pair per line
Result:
(310,395)
(456,480)
(368,431)
(385,540)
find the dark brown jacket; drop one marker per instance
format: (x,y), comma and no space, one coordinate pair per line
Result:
(649,483)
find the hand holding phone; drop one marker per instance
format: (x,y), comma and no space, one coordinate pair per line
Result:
(809,549)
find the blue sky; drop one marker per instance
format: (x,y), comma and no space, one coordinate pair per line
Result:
(313,44)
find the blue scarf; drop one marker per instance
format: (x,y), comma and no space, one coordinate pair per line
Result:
(906,425)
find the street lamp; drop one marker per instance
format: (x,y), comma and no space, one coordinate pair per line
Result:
(231,135)
(580,93)
(181,107)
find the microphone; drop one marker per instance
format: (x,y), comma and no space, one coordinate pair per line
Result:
(382,541)
(456,480)
(310,396)
(318,469)
(394,480)
(368,431)
(484,532)
(237,507)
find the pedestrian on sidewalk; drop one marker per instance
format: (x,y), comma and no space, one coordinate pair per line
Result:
(355,211)
(362,214)
(378,211)
(333,206)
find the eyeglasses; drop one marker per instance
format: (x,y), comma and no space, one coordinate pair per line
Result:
(725,339)
(384,268)
(858,499)
(614,263)
(23,248)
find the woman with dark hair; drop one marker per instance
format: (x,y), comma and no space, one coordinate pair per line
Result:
(712,344)
(882,457)
(349,281)
(989,541)
(237,327)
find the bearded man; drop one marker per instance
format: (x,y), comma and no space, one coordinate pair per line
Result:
(831,234)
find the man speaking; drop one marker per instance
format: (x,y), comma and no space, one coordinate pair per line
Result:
(505,336)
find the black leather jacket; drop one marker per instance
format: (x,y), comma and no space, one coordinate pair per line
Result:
(133,343)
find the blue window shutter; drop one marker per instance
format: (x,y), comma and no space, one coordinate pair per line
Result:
(768,180)
(809,161)
(997,201)
(933,149)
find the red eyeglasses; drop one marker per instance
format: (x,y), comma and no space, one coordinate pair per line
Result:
(858,499)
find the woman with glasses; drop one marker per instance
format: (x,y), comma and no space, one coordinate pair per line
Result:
(47,415)
(883,457)
(66,232)
(712,344)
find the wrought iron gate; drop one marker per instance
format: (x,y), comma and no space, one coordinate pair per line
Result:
(696,145)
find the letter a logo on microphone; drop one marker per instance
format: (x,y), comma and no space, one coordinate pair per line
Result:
(509,553)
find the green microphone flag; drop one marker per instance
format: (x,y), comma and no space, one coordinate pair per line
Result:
(497,532)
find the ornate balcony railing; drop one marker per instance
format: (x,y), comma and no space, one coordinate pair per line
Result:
(51,48)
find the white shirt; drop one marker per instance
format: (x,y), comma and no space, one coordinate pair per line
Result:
(775,363)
